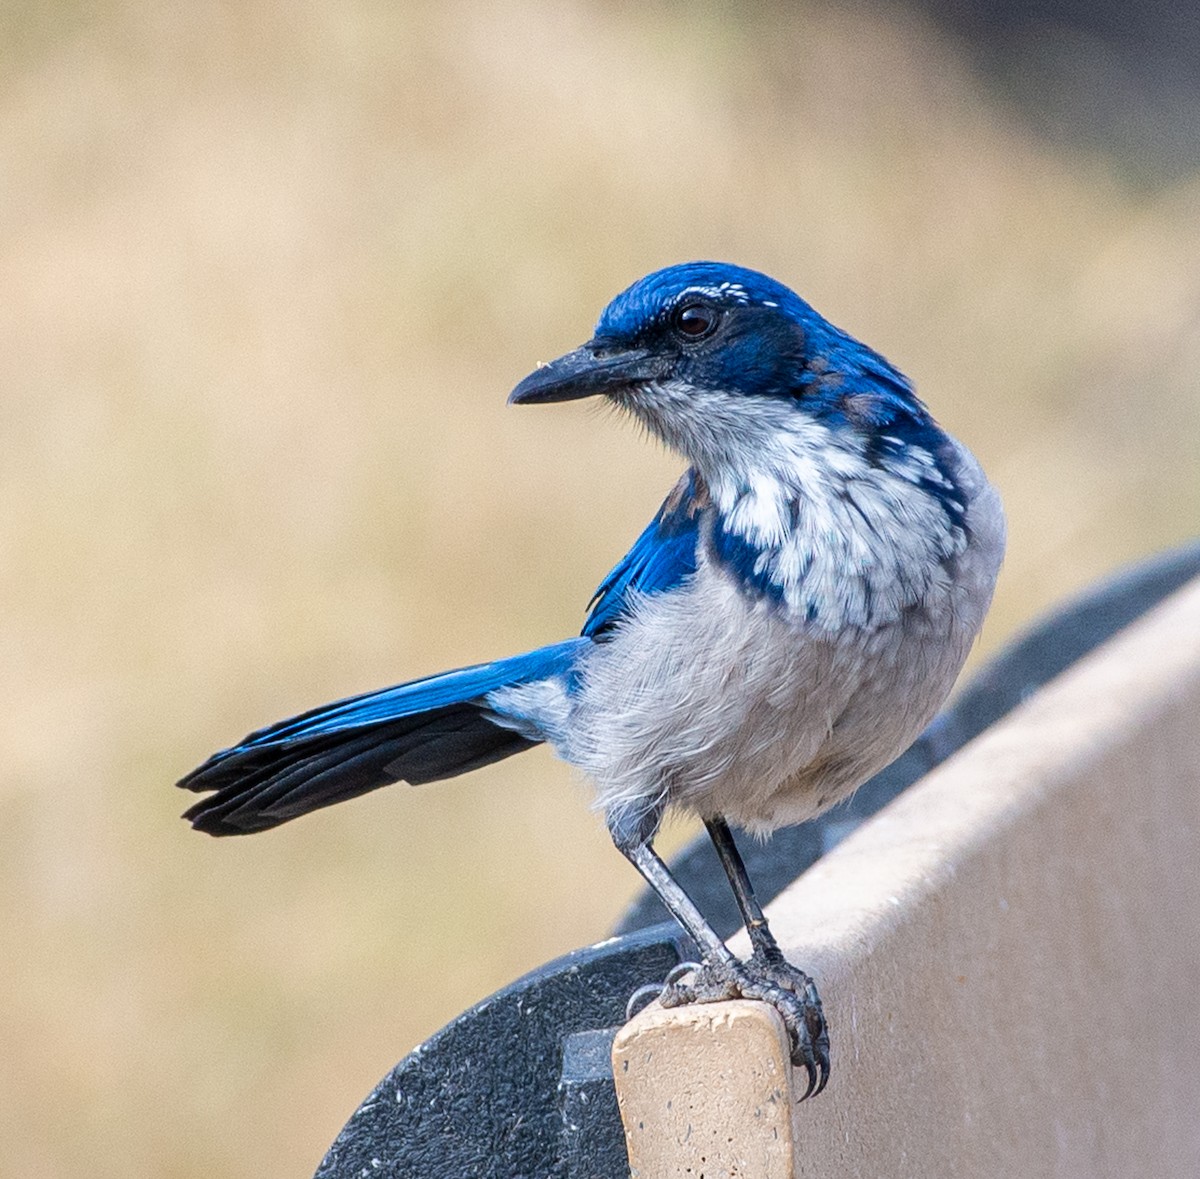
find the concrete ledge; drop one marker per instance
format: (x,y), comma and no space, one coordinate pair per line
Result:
(1009,954)
(706,1091)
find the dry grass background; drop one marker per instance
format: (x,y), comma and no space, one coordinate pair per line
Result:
(267,272)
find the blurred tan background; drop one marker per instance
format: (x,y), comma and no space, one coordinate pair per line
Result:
(267,272)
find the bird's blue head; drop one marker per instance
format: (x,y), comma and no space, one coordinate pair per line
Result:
(702,347)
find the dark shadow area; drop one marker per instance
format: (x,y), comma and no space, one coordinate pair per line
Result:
(1110,76)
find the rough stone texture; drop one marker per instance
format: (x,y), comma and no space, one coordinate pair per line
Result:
(487,1098)
(593,1143)
(705,1093)
(1009,953)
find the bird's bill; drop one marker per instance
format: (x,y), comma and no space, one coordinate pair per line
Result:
(586,372)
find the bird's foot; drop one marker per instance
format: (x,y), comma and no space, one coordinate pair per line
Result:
(769,978)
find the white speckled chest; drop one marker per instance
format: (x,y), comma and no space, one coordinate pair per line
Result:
(729,704)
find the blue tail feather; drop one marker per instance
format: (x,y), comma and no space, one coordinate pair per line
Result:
(416,732)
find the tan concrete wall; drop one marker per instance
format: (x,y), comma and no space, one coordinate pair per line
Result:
(1009,954)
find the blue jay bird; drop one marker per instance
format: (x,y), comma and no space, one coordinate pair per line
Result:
(790,620)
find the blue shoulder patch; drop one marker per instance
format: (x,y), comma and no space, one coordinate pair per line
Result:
(748,564)
(660,558)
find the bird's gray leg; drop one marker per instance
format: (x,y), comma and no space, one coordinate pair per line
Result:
(768,962)
(767,976)
(761,937)
(633,833)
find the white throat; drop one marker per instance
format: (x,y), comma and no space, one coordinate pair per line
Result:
(839,539)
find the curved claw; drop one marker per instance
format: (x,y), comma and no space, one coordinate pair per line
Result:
(640,998)
(811,1038)
(819,1036)
(664,990)
(679,970)
(807,1032)
(811,1069)
(816,1066)
(800,1006)
(824,1076)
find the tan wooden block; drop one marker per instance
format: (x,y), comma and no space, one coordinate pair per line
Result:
(706,1092)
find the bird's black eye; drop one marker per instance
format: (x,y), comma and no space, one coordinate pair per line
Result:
(694,321)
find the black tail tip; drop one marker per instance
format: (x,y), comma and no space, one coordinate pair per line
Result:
(218,816)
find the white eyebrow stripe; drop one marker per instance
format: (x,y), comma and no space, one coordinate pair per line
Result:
(726,290)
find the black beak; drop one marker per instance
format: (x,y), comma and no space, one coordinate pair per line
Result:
(595,368)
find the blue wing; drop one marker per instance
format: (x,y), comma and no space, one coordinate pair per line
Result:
(660,559)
